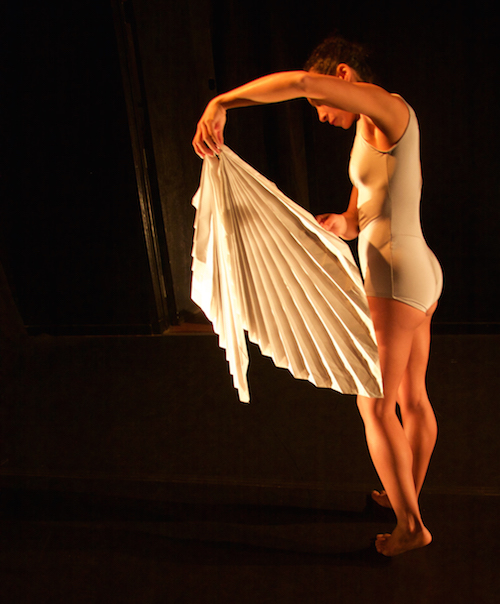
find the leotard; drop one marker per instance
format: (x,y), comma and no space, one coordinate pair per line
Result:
(393,254)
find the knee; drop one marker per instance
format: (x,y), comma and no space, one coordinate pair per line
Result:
(417,404)
(375,409)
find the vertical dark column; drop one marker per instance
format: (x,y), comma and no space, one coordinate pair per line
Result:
(145,164)
(174,45)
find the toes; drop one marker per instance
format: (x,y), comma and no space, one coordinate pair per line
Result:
(380,546)
(381,498)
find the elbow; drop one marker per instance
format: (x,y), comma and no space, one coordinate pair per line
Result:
(310,85)
(304,82)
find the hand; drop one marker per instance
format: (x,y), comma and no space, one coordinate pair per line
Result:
(208,138)
(335,223)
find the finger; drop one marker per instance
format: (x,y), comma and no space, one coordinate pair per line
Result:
(198,150)
(214,131)
(212,145)
(219,139)
(197,143)
(331,225)
(208,139)
(203,136)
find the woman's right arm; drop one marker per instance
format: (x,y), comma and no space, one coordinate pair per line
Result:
(273,88)
(387,112)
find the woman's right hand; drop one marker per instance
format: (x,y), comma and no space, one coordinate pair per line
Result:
(209,138)
(273,88)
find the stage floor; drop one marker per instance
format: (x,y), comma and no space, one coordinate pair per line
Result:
(132,474)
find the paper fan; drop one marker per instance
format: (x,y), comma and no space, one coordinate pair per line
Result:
(263,265)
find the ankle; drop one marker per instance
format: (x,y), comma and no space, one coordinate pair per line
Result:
(412,524)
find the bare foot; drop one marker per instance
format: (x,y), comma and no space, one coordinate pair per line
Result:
(382,499)
(402,541)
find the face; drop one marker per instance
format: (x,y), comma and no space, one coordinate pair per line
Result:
(335,117)
(332,115)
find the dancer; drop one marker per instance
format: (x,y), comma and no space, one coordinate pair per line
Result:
(402,277)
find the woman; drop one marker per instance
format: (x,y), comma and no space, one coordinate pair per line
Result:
(402,277)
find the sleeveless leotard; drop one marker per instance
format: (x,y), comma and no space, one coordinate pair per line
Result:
(394,257)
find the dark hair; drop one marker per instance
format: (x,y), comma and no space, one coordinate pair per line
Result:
(326,57)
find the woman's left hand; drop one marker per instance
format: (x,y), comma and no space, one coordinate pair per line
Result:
(335,223)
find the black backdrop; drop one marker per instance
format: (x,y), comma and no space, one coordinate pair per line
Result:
(71,236)
(71,233)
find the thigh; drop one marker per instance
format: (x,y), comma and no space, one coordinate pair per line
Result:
(395,326)
(413,386)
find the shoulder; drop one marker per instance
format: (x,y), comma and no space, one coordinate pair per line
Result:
(382,104)
(389,113)
(359,97)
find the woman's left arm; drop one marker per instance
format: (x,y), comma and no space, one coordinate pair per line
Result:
(343,225)
(388,113)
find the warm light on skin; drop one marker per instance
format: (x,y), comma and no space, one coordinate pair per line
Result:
(334,116)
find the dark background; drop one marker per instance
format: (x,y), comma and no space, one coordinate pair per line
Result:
(129,471)
(71,235)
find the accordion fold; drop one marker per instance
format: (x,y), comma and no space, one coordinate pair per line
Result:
(263,265)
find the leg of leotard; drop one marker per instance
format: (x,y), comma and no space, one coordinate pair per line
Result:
(395,326)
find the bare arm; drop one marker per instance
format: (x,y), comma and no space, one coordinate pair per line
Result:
(387,112)
(343,225)
(274,88)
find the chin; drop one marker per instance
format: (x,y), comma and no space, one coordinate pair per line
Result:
(348,123)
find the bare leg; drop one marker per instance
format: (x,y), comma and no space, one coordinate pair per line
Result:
(418,417)
(395,325)
(419,421)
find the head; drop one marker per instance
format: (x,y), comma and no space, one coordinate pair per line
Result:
(335,51)
(338,57)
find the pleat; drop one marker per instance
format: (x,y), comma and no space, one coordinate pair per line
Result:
(264,266)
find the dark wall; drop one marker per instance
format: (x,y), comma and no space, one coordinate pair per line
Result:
(174,45)
(71,232)
(438,58)
(71,235)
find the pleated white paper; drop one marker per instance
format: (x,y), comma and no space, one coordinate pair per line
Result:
(262,264)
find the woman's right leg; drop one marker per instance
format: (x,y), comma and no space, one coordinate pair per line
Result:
(419,421)
(395,326)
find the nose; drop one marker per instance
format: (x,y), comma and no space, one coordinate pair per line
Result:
(322,114)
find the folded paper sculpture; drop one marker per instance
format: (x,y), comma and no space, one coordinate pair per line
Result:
(263,265)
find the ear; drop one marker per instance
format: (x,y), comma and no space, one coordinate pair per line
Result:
(345,72)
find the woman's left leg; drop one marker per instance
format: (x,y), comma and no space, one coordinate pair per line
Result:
(395,325)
